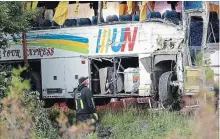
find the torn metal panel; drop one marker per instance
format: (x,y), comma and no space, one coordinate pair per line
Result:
(147,63)
(168,43)
(180,71)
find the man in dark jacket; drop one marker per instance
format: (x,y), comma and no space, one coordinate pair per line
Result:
(85,106)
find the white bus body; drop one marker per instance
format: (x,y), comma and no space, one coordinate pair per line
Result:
(64,52)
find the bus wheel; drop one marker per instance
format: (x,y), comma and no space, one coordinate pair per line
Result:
(167,92)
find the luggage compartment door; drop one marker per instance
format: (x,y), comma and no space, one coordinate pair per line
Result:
(53,85)
(74,69)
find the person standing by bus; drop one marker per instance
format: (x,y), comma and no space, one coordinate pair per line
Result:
(84,102)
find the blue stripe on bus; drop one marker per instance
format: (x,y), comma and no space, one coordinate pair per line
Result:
(60,37)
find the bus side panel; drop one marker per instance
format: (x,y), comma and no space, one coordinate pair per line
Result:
(53,78)
(74,69)
(145,70)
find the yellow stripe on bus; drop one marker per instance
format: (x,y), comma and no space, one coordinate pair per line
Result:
(62,42)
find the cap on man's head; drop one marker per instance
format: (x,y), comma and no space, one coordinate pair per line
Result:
(82,79)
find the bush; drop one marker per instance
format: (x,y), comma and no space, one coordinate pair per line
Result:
(5,80)
(22,115)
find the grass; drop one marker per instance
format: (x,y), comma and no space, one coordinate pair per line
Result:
(136,124)
(133,123)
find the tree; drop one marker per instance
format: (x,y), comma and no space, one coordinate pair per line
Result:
(14,19)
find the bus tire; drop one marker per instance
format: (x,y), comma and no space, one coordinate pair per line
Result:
(166,91)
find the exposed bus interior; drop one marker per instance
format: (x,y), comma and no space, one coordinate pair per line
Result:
(196,33)
(108,75)
(112,12)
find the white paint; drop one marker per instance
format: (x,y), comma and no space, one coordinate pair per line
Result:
(180,70)
(58,53)
(145,80)
(145,40)
(51,68)
(74,67)
(65,69)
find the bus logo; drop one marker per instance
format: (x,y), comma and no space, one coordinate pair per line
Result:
(117,39)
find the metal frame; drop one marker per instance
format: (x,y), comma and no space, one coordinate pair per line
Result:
(204,14)
(114,61)
(115,75)
(99,12)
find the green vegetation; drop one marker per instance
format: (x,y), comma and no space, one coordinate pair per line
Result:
(5,80)
(22,115)
(13,20)
(142,124)
(208,71)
